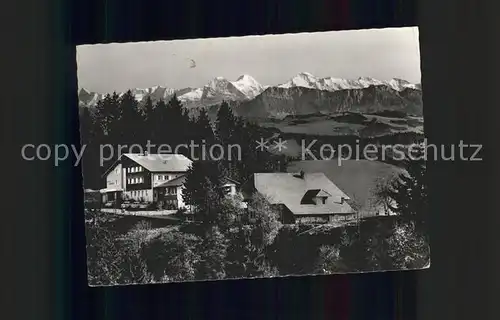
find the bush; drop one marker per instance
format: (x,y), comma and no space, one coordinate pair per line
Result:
(172,255)
(329,260)
(407,248)
(213,254)
(111,261)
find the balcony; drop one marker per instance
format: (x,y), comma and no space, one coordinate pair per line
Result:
(170,197)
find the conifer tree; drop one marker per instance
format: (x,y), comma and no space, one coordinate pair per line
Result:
(148,119)
(178,122)
(161,123)
(225,124)
(204,128)
(130,120)
(203,190)
(108,114)
(90,132)
(406,195)
(202,133)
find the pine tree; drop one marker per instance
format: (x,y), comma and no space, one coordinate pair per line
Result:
(90,132)
(225,124)
(130,120)
(202,133)
(149,119)
(178,122)
(160,130)
(407,195)
(203,190)
(204,127)
(108,114)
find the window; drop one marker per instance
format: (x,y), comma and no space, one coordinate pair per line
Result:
(172,190)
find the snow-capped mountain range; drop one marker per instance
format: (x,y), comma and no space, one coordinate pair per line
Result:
(247,88)
(215,91)
(307,80)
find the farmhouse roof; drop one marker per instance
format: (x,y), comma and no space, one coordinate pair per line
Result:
(314,193)
(179,181)
(106,190)
(290,189)
(161,162)
(157,162)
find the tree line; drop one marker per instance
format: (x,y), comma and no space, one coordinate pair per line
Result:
(120,120)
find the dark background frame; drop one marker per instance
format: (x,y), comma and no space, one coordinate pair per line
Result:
(48,246)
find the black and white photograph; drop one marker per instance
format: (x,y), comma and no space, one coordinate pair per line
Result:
(253,157)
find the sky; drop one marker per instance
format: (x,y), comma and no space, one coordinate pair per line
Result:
(271,59)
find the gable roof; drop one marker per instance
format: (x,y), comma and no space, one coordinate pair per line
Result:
(157,162)
(312,193)
(289,189)
(176,182)
(161,162)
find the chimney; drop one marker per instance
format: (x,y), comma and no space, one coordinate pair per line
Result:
(300,174)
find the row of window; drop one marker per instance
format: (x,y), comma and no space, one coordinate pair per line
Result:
(162,177)
(171,190)
(134,169)
(139,193)
(135,180)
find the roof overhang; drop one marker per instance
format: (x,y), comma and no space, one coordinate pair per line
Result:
(110,190)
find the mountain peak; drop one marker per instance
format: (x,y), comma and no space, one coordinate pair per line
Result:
(245,77)
(303,79)
(248,86)
(306,74)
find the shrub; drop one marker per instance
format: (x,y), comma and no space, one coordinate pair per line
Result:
(329,260)
(109,260)
(407,248)
(172,255)
(213,253)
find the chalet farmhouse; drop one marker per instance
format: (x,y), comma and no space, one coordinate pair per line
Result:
(170,192)
(301,197)
(151,178)
(134,176)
